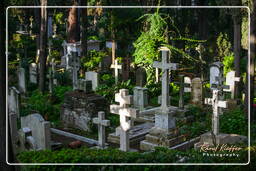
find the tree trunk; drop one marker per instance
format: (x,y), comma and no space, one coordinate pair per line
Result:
(43,43)
(73,24)
(84,28)
(252,58)
(237,51)
(37,30)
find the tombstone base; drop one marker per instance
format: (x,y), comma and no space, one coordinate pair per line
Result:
(209,140)
(136,134)
(161,137)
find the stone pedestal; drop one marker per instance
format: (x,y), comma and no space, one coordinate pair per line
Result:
(164,133)
(79,108)
(210,140)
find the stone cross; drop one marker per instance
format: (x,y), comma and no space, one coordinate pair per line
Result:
(116,67)
(230,81)
(75,68)
(125,112)
(22,80)
(216,106)
(102,123)
(165,66)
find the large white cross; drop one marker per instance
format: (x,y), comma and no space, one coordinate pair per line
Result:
(116,67)
(102,123)
(125,112)
(216,106)
(165,66)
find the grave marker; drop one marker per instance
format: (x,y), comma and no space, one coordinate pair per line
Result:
(102,123)
(33,73)
(94,77)
(197,91)
(125,112)
(230,81)
(22,80)
(116,67)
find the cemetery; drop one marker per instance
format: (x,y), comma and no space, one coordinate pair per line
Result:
(127,85)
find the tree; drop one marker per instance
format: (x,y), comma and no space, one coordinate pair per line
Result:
(84,28)
(252,55)
(73,24)
(43,43)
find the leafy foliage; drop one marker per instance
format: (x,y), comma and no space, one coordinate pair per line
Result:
(92,60)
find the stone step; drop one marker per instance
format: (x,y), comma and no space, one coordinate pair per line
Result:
(152,138)
(176,140)
(147,146)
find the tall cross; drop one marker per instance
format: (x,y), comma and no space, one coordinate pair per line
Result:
(75,67)
(216,106)
(102,123)
(125,112)
(165,66)
(116,67)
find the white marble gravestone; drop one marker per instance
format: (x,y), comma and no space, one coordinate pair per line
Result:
(33,73)
(140,97)
(125,112)
(40,130)
(102,123)
(94,77)
(187,80)
(230,81)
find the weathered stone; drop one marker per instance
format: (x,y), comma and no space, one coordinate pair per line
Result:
(40,130)
(79,108)
(141,77)
(140,97)
(197,91)
(94,77)
(116,67)
(22,80)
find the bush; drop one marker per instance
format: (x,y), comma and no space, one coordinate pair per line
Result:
(234,122)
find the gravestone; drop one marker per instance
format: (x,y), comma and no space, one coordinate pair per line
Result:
(164,133)
(187,80)
(116,67)
(197,91)
(85,85)
(14,101)
(80,107)
(141,77)
(182,86)
(94,77)
(216,71)
(93,45)
(214,137)
(125,112)
(22,80)
(33,73)
(102,123)
(40,130)
(230,81)
(140,97)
